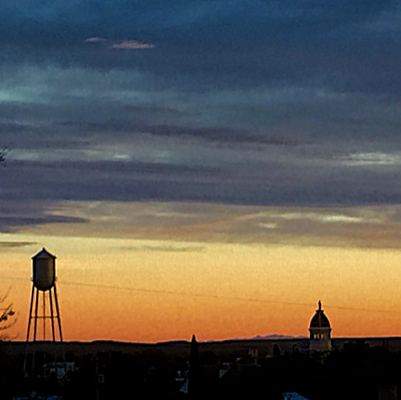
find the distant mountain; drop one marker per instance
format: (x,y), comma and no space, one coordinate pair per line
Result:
(277,337)
(258,337)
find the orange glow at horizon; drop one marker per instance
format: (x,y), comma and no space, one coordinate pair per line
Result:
(149,291)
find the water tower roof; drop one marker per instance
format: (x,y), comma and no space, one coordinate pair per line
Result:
(43,254)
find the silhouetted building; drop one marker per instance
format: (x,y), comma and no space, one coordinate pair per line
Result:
(59,369)
(320,331)
(194,370)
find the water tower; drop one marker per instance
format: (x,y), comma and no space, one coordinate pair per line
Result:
(44,302)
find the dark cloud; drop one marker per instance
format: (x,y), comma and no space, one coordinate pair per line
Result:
(15,244)
(174,249)
(268,103)
(199,22)
(18,213)
(12,224)
(308,182)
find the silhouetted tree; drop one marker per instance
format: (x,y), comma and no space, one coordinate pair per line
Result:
(276,350)
(5,312)
(6,315)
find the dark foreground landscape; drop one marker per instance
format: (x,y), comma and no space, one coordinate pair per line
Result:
(355,369)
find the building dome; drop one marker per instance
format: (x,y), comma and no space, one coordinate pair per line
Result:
(319,320)
(320,331)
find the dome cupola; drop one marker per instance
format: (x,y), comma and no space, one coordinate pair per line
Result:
(320,331)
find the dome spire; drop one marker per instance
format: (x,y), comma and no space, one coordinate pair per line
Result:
(320,305)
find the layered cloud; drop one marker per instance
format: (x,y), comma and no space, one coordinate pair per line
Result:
(269,104)
(132,45)
(363,227)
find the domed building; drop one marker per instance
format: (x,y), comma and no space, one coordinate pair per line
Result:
(320,331)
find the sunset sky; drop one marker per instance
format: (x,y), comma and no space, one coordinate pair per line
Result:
(203,167)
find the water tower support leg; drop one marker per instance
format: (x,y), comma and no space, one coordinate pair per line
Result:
(36,314)
(58,313)
(30,313)
(52,314)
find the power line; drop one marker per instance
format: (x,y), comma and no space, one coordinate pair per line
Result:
(210,296)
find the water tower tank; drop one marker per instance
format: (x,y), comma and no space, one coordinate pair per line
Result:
(44,270)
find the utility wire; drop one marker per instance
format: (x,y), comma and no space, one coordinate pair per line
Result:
(212,296)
